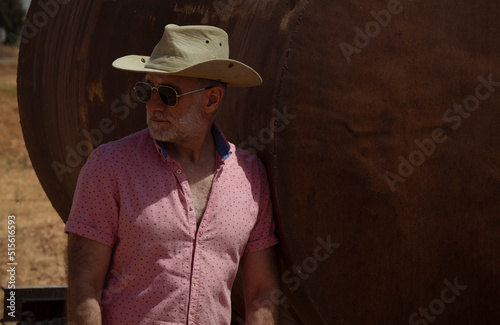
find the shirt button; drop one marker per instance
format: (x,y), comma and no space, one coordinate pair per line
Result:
(179,171)
(191,317)
(195,280)
(191,207)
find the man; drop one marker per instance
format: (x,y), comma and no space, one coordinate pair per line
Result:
(162,218)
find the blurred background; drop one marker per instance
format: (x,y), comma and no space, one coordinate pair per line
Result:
(40,239)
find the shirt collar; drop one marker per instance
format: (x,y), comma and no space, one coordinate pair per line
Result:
(221,144)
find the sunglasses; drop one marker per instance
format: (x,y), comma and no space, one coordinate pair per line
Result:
(168,95)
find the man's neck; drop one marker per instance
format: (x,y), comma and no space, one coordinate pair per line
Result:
(193,151)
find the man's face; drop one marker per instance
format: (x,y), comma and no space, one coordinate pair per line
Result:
(180,123)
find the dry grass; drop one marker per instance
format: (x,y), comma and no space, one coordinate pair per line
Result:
(40,238)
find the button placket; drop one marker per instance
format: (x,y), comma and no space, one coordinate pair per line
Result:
(194,288)
(184,186)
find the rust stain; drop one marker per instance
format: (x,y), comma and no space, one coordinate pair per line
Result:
(190,9)
(95,90)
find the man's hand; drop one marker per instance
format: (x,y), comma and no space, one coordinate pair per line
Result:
(88,263)
(260,281)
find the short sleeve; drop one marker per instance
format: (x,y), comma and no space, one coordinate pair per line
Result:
(95,209)
(263,234)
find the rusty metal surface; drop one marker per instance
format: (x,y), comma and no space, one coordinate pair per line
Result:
(336,116)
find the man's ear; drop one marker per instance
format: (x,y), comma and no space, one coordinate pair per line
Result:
(214,96)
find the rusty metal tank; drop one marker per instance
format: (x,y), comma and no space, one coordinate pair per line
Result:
(377,121)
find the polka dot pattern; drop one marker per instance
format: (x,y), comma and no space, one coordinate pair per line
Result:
(134,198)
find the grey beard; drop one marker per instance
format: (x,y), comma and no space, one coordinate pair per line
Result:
(182,130)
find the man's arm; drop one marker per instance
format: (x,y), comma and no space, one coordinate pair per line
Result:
(88,263)
(260,285)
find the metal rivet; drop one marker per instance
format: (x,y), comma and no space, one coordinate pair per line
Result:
(230,65)
(207,41)
(143,61)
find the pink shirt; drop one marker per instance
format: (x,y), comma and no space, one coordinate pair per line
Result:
(131,196)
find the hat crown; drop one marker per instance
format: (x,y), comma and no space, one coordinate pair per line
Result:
(184,46)
(198,51)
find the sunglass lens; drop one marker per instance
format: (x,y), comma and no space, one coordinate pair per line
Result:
(143,91)
(168,95)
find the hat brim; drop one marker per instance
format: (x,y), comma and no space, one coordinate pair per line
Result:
(231,72)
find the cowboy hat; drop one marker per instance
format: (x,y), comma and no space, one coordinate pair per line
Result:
(193,51)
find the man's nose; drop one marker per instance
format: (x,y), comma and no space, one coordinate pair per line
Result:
(155,104)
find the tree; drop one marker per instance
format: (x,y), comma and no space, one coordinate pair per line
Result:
(11,17)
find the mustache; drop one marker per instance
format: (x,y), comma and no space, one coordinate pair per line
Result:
(158,116)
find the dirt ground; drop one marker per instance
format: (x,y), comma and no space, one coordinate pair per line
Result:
(40,239)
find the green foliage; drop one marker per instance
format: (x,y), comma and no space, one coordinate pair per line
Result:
(11,17)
